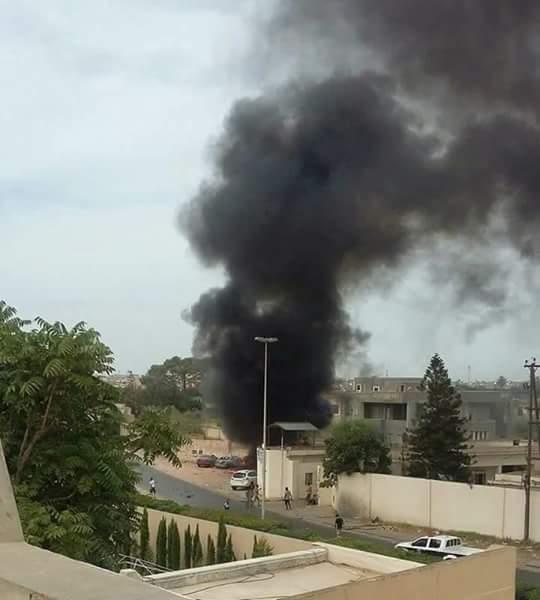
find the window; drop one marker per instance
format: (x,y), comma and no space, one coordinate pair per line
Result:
(402,387)
(420,543)
(479,478)
(434,543)
(308,479)
(358,387)
(376,388)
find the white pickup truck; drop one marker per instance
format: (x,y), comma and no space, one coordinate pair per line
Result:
(446,546)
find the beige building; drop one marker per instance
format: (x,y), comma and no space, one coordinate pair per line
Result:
(294,460)
(392,405)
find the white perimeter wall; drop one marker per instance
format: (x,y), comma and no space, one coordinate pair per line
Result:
(488,510)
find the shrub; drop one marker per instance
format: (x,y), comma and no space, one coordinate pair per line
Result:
(221,542)
(229,552)
(145,552)
(173,539)
(188,547)
(161,543)
(261,547)
(197,553)
(210,551)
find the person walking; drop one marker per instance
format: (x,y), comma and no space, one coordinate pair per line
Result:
(249,494)
(152,485)
(309,494)
(287,498)
(339,525)
(226,504)
(258,496)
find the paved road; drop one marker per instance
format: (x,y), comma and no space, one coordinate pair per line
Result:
(184,492)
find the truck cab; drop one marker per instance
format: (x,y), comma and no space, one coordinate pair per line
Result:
(446,546)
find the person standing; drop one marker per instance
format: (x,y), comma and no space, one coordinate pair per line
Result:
(257,495)
(287,498)
(226,504)
(249,494)
(309,494)
(152,485)
(339,525)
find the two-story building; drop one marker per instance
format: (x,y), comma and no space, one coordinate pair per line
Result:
(393,404)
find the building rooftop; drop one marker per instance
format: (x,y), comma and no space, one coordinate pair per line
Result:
(280,576)
(288,582)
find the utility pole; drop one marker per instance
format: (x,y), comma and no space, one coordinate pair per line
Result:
(533,403)
(265,341)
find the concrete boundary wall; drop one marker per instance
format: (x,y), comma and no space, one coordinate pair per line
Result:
(241,568)
(442,505)
(484,576)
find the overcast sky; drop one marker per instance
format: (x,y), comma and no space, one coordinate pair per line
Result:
(108,112)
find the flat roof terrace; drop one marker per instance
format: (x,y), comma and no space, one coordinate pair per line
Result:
(272,577)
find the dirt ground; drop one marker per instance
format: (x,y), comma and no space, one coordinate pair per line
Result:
(217,480)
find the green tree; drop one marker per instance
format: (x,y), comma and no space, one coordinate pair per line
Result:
(221,541)
(72,468)
(161,543)
(174,383)
(188,547)
(210,551)
(261,547)
(438,443)
(173,541)
(197,557)
(354,447)
(229,551)
(501,382)
(144,532)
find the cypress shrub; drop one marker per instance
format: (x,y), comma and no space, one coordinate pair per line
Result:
(161,543)
(210,551)
(188,547)
(173,538)
(221,541)
(145,553)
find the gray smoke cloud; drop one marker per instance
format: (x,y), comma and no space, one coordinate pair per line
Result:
(319,184)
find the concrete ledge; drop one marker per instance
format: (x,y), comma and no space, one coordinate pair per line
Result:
(240,568)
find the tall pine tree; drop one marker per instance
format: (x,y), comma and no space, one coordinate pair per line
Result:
(438,444)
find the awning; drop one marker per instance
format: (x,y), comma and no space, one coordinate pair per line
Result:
(292,426)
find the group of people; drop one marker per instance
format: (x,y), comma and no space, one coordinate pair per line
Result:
(253,496)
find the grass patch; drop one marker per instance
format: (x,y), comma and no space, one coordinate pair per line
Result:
(211,514)
(278,528)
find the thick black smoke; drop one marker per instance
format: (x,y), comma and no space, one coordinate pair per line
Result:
(320,184)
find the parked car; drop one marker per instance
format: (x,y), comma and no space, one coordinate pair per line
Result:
(206,460)
(228,462)
(446,546)
(241,480)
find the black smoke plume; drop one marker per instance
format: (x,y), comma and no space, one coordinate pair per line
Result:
(317,185)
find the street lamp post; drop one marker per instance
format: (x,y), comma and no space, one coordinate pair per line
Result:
(265,341)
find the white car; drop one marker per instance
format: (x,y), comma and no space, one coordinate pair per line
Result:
(446,546)
(241,480)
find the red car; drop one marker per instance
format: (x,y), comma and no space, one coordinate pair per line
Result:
(206,460)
